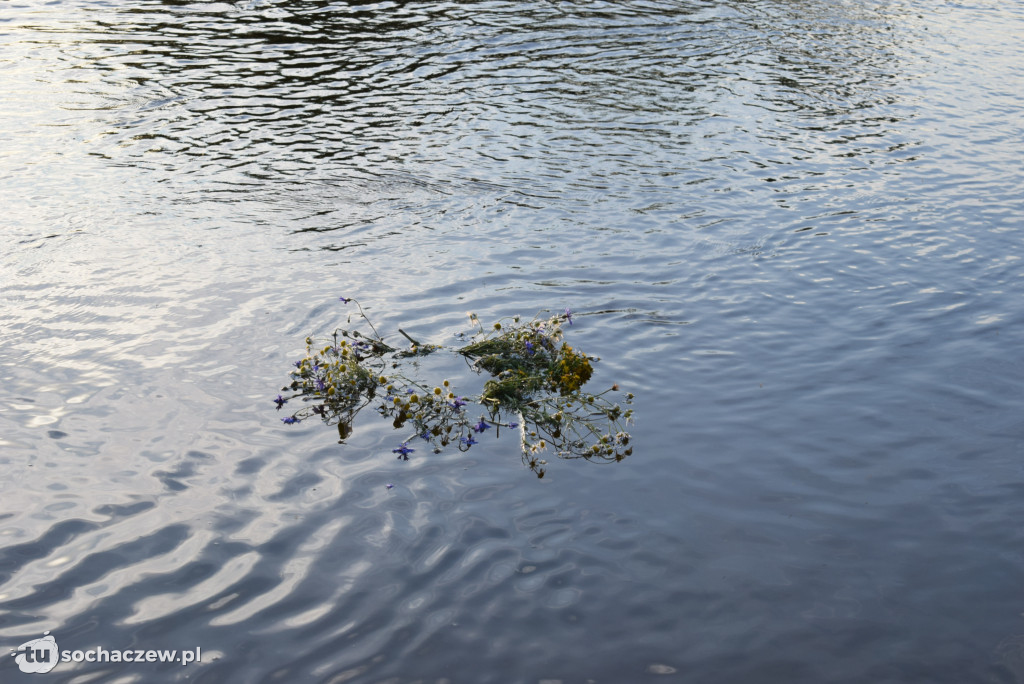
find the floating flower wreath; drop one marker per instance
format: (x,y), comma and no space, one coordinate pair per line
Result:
(535,387)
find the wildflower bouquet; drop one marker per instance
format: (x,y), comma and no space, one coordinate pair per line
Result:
(535,386)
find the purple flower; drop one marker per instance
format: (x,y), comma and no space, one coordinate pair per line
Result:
(403,451)
(481,426)
(529,348)
(457,403)
(513,425)
(568,316)
(320,385)
(389,485)
(425,436)
(468,441)
(290,420)
(280,401)
(344,300)
(298,364)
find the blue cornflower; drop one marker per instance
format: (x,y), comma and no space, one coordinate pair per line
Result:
(344,300)
(403,451)
(298,364)
(280,401)
(425,436)
(321,385)
(389,485)
(529,348)
(290,420)
(568,316)
(468,441)
(457,403)
(481,426)
(513,425)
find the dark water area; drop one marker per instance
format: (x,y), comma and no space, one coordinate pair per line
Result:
(792,228)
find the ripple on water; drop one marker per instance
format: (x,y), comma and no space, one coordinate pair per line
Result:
(790,229)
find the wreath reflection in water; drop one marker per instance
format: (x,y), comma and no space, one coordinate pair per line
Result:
(536,387)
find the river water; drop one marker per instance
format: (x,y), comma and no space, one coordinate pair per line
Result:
(791,228)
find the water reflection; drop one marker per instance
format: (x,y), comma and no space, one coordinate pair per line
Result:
(338,119)
(273,91)
(799,221)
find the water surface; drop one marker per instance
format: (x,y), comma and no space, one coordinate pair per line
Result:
(791,228)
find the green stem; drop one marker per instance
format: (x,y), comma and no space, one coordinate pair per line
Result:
(406,336)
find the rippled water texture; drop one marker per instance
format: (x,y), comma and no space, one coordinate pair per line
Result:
(793,228)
